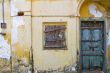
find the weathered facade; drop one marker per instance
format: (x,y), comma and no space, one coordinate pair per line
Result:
(35,27)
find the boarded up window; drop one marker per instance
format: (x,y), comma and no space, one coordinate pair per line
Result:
(55,36)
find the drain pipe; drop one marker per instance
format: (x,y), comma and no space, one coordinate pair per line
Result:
(32,61)
(3,11)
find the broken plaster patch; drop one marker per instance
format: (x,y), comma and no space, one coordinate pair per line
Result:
(94,11)
(5,51)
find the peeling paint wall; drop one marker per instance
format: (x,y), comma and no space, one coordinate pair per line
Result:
(5,40)
(21,35)
(37,12)
(43,59)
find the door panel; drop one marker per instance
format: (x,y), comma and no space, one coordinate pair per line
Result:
(92,45)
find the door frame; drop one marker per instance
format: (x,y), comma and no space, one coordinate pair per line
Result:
(105,42)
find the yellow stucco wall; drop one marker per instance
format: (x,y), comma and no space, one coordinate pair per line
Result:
(51,11)
(45,59)
(54,7)
(54,59)
(45,11)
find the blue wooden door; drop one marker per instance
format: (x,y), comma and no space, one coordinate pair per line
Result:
(92,45)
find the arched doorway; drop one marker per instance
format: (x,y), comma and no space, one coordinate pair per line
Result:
(93,28)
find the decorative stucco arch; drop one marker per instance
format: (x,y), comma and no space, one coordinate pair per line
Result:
(81,2)
(79,6)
